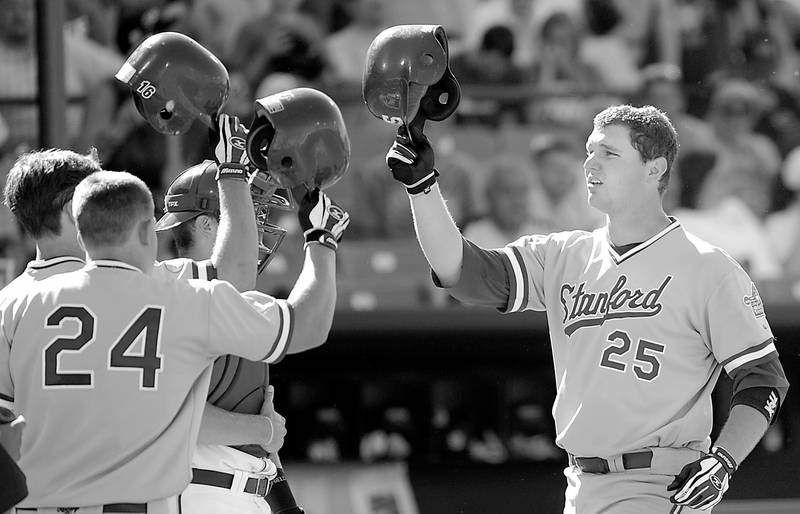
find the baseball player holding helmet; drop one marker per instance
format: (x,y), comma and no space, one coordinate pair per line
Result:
(299,141)
(232,437)
(643,317)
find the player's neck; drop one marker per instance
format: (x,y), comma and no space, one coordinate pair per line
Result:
(635,227)
(50,248)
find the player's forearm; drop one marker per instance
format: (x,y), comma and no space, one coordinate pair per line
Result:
(438,235)
(743,430)
(313,298)
(235,254)
(219,426)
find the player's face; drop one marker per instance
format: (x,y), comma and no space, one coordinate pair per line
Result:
(616,176)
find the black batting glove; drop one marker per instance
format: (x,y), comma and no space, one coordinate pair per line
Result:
(280,497)
(229,139)
(321,219)
(701,484)
(411,158)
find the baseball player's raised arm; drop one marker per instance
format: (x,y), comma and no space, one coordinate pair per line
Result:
(235,254)
(438,235)
(411,162)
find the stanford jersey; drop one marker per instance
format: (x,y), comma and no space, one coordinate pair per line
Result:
(638,339)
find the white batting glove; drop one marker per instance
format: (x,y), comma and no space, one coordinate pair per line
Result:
(230,148)
(321,219)
(701,484)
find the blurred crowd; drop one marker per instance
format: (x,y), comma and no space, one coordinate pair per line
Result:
(533,73)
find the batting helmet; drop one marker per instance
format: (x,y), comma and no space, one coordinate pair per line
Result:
(298,137)
(175,81)
(194,192)
(408,71)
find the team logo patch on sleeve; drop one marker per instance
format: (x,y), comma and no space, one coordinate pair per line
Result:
(754,302)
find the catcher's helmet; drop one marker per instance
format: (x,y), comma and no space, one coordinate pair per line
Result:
(175,81)
(194,192)
(298,137)
(407,71)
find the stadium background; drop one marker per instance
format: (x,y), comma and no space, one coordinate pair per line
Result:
(417,404)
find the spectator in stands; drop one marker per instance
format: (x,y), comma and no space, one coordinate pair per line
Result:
(747,162)
(345,49)
(559,66)
(88,68)
(490,64)
(560,202)
(283,40)
(662,87)
(508,190)
(783,227)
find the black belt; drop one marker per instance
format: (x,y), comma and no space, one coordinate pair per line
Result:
(257,486)
(635,460)
(111,508)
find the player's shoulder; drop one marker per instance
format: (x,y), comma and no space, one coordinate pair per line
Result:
(705,257)
(562,239)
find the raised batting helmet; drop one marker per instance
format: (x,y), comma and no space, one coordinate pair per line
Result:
(408,71)
(194,192)
(298,137)
(175,81)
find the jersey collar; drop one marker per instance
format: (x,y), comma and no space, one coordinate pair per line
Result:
(108,263)
(55,261)
(618,259)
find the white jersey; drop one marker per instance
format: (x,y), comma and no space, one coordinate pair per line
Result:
(108,342)
(638,339)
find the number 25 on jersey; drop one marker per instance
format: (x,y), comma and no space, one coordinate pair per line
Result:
(646,364)
(147,362)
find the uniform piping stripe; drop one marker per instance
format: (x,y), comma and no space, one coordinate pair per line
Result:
(515,293)
(211,272)
(8,404)
(633,251)
(754,353)
(6,398)
(195,273)
(52,262)
(525,283)
(285,318)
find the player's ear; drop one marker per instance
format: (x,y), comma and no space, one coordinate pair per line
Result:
(66,213)
(657,168)
(143,231)
(205,223)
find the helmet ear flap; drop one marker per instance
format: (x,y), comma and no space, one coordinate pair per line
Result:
(258,141)
(431,105)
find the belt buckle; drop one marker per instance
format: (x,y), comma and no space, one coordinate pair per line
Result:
(266,486)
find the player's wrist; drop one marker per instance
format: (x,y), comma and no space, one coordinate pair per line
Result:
(423,185)
(725,458)
(322,237)
(232,171)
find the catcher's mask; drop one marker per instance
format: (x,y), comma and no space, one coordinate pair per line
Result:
(175,81)
(194,192)
(408,71)
(298,137)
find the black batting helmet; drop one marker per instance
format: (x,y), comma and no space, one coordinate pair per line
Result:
(194,192)
(175,81)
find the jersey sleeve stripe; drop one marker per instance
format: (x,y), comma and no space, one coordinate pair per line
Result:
(516,288)
(195,272)
(6,402)
(525,281)
(285,329)
(749,355)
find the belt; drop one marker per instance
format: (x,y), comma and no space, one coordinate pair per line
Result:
(257,486)
(635,460)
(111,508)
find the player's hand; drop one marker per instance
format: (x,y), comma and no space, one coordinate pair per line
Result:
(701,484)
(411,158)
(229,140)
(276,422)
(321,219)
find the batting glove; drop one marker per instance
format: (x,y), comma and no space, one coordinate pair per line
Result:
(701,484)
(411,158)
(229,140)
(321,219)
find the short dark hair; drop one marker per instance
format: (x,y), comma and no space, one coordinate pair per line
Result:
(107,206)
(41,183)
(651,133)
